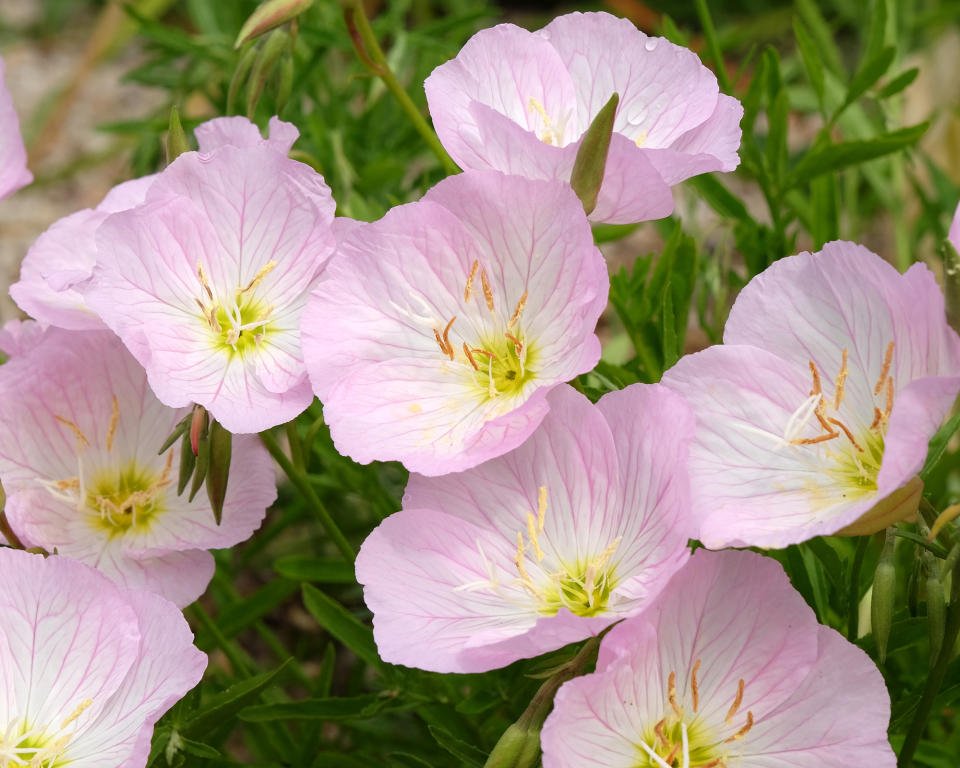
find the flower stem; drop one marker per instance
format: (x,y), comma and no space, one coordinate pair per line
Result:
(299,479)
(371,54)
(937,674)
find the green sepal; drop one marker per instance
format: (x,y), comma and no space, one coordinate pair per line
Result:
(591,162)
(220,448)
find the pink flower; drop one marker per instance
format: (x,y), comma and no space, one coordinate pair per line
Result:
(13,155)
(436,333)
(835,372)
(206,280)
(86,668)
(728,668)
(520,102)
(79,434)
(57,268)
(580,526)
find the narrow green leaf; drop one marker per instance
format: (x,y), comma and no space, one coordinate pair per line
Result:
(812,61)
(822,35)
(187,462)
(326,570)
(718,197)
(938,444)
(713,45)
(872,70)
(238,616)
(223,706)
(199,749)
(591,161)
(263,66)
(466,753)
(668,329)
(333,708)
(899,83)
(182,426)
(334,618)
(777,150)
(831,158)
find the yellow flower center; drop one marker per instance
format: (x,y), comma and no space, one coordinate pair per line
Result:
(499,365)
(240,326)
(26,747)
(682,739)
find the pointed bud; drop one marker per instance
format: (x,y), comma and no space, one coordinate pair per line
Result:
(285,84)
(269,15)
(263,66)
(517,748)
(901,505)
(187,462)
(591,160)
(218,471)
(182,426)
(198,427)
(176,138)
(239,77)
(936,606)
(883,599)
(202,463)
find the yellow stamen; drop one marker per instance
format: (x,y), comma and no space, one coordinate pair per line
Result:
(888,407)
(744,730)
(815,440)
(443,347)
(265,270)
(885,371)
(77,712)
(841,380)
(518,560)
(532,533)
(641,139)
(81,438)
(541,506)
(204,281)
(673,754)
(659,732)
(446,337)
(487,293)
(468,291)
(672,694)
(518,311)
(550,135)
(114,418)
(847,432)
(736,702)
(466,351)
(877,418)
(695,691)
(817,389)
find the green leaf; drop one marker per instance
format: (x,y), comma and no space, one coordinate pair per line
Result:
(332,708)
(223,706)
(812,60)
(668,329)
(197,748)
(237,616)
(327,570)
(718,197)
(898,83)
(831,158)
(871,71)
(334,618)
(822,35)
(466,753)
(938,445)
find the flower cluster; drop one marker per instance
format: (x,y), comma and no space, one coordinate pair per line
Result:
(221,294)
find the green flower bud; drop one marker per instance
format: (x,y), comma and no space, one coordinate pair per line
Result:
(220,443)
(591,162)
(517,748)
(884,595)
(270,14)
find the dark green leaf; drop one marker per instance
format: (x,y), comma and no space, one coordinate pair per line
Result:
(938,445)
(467,753)
(223,706)
(334,618)
(898,83)
(812,61)
(326,570)
(349,708)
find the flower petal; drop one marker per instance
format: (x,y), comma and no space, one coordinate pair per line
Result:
(13,154)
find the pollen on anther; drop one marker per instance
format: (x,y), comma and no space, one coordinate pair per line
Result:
(446,337)
(534,538)
(469,356)
(517,311)
(817,388)
(885,371)
(847,432)
(77,432)
(888,406)
(738,700)
(744,729)
(694,688)
(114,419)
(541,506)
(659,732)
(439,338)
(487,292)
(672,694)
(841,380)
(468,290)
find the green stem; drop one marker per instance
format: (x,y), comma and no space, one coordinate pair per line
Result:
(853,601)
(302,484)
(935,679)
(296,447)
(371,54)
(713,45)
(232,651)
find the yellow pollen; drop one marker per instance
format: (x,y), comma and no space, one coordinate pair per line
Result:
(77,712)
(877,417)
(641,139)
(736,702)
(487,293)
(532,533)
(69,484)
(817,389)
(694,689)
(517,312)
(550,135)
(446,337)
(81,438)
(541,506)
(468,291)
(888,407)
(841,380)
(608,552)
(744,730)
(204,281)
(469,356)
(847,432)
(885,371)
(114,418)
(265,270)
(815,440)
(521,568)
(443,347)
(672,694)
